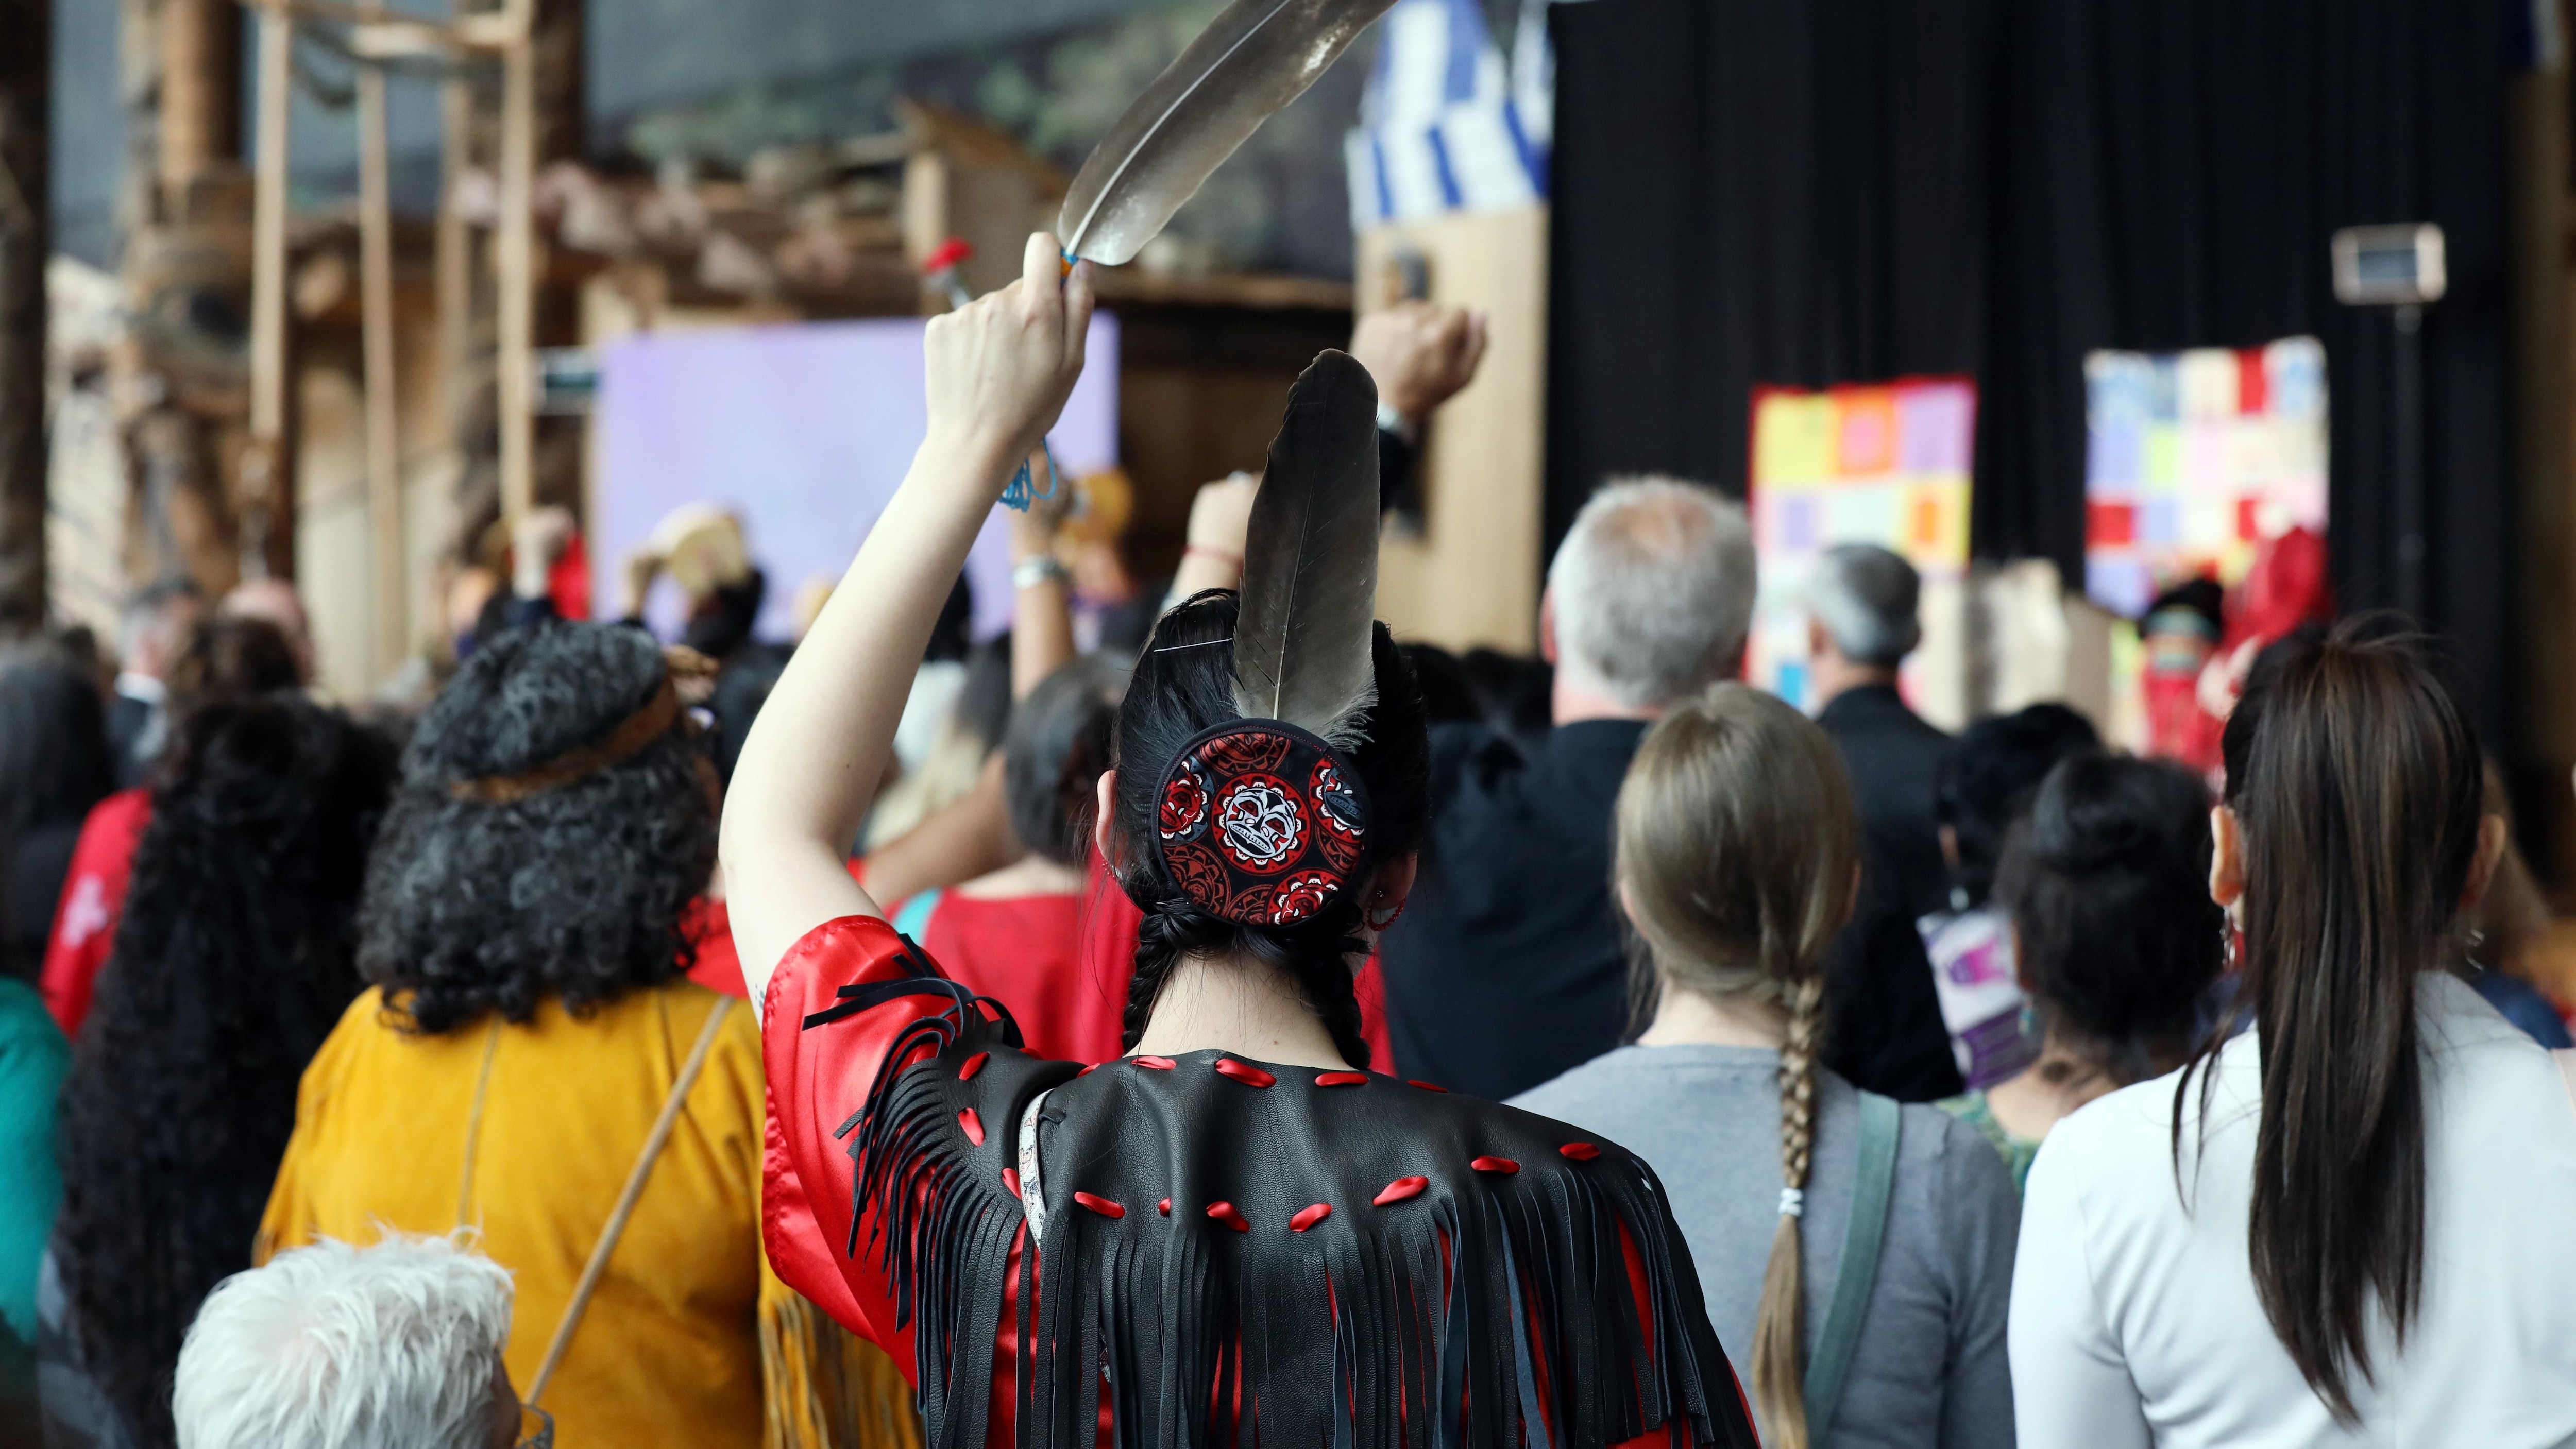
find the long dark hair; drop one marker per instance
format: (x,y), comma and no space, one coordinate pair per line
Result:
(1184,682)
(55,764)
(574,891)
(54,757)
(2354,781)
(226,656)
(2108,885)
(1056,746)
(232,963)
(1986,781)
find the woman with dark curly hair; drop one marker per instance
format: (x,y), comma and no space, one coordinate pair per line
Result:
(226,657)
(532,1063)
(235,956)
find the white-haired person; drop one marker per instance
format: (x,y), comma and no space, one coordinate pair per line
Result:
(1861,623)
(1507,968)
(333,1346)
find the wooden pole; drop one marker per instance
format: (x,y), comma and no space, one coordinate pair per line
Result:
(454,278)
(376,332)
(200,95)
(24,112)
(265,481)
(516,266)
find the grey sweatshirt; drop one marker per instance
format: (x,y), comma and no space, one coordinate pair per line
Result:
(1929,1369)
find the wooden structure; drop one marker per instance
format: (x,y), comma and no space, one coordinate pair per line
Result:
(23,203)
(840,229)
(504,37)
(1471,576)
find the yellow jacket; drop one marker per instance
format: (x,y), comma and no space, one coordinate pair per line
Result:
(688,1339)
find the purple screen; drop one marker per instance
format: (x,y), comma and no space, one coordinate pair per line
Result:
(804,431)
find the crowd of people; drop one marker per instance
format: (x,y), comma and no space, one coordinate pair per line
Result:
(1254,1026)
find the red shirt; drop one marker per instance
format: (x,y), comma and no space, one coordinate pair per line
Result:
(709,926)
(1062,964)
(1028,953)
(93,901)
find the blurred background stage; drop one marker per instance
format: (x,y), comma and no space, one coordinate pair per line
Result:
(1669,209)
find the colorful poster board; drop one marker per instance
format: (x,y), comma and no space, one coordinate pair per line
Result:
(2194,458)
(1883,463)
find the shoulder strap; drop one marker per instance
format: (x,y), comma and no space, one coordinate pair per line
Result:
(1862,1238)
(914,918)
(2566,1060)
(635,1179)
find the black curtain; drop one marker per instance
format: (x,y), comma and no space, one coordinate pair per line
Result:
(1807,192)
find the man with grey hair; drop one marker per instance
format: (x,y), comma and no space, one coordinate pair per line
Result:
(1861,606)
(331,1346)
(1508,967)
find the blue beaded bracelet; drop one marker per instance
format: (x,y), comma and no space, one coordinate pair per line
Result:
(1018,496)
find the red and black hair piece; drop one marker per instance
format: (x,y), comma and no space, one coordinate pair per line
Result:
(1261,823)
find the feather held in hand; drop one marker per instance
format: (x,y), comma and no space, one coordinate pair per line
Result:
(1303,634)
(1251,60)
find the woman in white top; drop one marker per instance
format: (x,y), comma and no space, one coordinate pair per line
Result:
(2355,1223)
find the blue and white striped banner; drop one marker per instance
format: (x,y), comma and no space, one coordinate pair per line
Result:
(1445,125)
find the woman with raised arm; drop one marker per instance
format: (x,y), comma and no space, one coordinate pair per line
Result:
(2348,1225)
(1229,1235)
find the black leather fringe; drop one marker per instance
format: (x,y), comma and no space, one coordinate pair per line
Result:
(1493,1311)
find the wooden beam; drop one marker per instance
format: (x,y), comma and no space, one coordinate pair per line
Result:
(383,32)
(1473,575)
(515,262)
(395,39)
(454,278)
(200,95)
(24,114)
(267,481)
(376,332)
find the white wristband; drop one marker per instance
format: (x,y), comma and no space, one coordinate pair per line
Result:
(1044,568)
(1391,421)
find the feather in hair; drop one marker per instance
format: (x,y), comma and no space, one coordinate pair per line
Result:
(1251,60)
(1303,635)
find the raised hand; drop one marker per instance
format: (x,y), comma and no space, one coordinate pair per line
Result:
(999,370)
(1419,354)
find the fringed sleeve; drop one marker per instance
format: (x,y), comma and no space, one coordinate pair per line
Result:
(854,972)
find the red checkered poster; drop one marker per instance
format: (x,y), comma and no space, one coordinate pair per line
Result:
(2194,458)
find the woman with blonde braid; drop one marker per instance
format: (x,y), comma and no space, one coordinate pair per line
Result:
(1876,1315)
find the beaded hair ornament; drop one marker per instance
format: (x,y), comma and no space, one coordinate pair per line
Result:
(1263,820)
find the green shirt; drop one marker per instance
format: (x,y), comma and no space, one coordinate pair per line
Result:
(1971,1108)
(33,1058)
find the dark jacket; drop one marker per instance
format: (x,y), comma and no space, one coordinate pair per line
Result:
(1507,968)
(1894,758)
(1883,1027)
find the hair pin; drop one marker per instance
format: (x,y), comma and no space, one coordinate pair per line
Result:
(1202,644)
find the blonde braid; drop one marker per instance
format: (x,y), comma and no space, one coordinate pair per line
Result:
(1779,1328)
(1738,850)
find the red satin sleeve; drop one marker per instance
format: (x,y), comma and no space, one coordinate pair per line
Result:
(816,1080)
